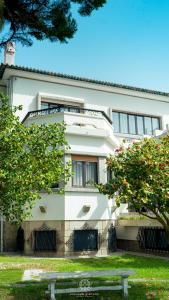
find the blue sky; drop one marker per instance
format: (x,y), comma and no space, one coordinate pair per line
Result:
(125,42)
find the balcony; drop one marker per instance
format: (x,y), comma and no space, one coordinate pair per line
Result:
(81,122)
(71,115)
(66,108)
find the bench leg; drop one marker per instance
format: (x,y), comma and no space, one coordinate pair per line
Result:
(124,282)
(51,288)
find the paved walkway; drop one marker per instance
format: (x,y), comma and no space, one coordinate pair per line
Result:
(30,275)
(118,252)
(146,255)
(12,254)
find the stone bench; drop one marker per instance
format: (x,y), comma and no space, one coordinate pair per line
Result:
(84,285)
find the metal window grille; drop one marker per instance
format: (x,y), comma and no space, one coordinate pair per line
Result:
(45,240)
(112,239)
(153,239)
(86,240)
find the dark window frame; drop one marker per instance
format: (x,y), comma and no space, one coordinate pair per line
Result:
(152,239)
(58,105)
(84,183)
(136,122)
(80,231)
(37,248)
(55,185)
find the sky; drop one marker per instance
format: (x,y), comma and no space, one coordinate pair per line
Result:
(125,42)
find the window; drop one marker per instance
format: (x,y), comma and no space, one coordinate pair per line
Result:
(116,122)
(109,175)
(84,171)
(55,185)
(135,124)
(46,105)
(45,240)
(140,125)
(153,238)
(147,125)
(132,124)
(123,123)
(60,107)
(86,240)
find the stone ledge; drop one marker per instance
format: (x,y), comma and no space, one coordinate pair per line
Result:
(137,223)
(79,189)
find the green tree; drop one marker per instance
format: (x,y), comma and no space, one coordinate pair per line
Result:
(140,177)
(31,160)
(42,19)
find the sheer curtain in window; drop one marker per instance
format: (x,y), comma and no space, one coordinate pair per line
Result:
(91,173)
(77,173)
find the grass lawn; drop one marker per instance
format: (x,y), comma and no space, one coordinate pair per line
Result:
(152,269)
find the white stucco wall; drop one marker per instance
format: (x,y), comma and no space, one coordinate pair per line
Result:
(100,206)
(85,141)
(127,233)
(70,207)
(89,145)
(25,92)
(55,207)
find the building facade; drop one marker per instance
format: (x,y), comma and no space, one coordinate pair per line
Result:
(99,115)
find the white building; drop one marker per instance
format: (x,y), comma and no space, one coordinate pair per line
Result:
(81,219)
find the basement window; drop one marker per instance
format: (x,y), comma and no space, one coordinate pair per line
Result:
(86,240)
(45,240)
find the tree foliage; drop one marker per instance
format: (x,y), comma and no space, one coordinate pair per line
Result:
(140,177)
(32,159)
(42,19)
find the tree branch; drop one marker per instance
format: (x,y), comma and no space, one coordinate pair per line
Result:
(148,216)
(165,217)
(3,43)
(13,29)
(160,219)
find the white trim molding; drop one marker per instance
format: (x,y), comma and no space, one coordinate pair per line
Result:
(56,97)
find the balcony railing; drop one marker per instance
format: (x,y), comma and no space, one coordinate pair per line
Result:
(66,108)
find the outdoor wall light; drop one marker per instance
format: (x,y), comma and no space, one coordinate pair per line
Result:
(43,208)
(86,208)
